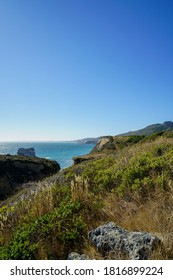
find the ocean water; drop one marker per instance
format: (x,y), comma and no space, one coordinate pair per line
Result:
(62,152)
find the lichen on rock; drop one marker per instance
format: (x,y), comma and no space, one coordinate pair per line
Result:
(112,238)
(76,256)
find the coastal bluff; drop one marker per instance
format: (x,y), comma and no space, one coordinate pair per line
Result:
(16,170)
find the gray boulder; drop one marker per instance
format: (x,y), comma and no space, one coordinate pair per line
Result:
(30,152)
(111,238)
(76,256)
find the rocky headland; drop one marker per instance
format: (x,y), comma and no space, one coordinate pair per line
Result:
(16,170)
(88,140)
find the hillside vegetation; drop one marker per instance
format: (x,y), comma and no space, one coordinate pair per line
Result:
(128,181)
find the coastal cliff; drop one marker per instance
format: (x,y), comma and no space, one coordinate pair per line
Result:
(16,170)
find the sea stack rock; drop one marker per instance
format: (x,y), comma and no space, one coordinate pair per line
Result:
(30,152)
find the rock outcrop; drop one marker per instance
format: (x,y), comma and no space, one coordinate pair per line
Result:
(102,142)
(29,152)
(76,256)
(112,238)
(105,143)
(16,170)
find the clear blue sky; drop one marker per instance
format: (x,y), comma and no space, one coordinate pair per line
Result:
(71,69)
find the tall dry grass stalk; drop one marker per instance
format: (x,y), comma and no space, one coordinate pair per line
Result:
(79,188)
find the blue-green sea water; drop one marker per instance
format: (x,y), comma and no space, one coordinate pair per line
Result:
(62,152)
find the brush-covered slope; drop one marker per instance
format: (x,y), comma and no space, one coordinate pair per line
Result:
(130,184)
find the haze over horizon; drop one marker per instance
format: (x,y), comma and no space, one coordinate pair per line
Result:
(76,69)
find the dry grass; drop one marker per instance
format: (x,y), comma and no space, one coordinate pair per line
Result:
(155,215)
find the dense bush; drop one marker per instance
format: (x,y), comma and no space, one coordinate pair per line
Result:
(63,227)
(141,171)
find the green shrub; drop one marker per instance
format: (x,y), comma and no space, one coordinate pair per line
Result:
(142,171)
(135,138)
(64,225)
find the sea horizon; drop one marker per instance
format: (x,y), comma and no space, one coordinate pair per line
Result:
(36,141)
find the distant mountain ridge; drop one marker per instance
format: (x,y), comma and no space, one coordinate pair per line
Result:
(150,129)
